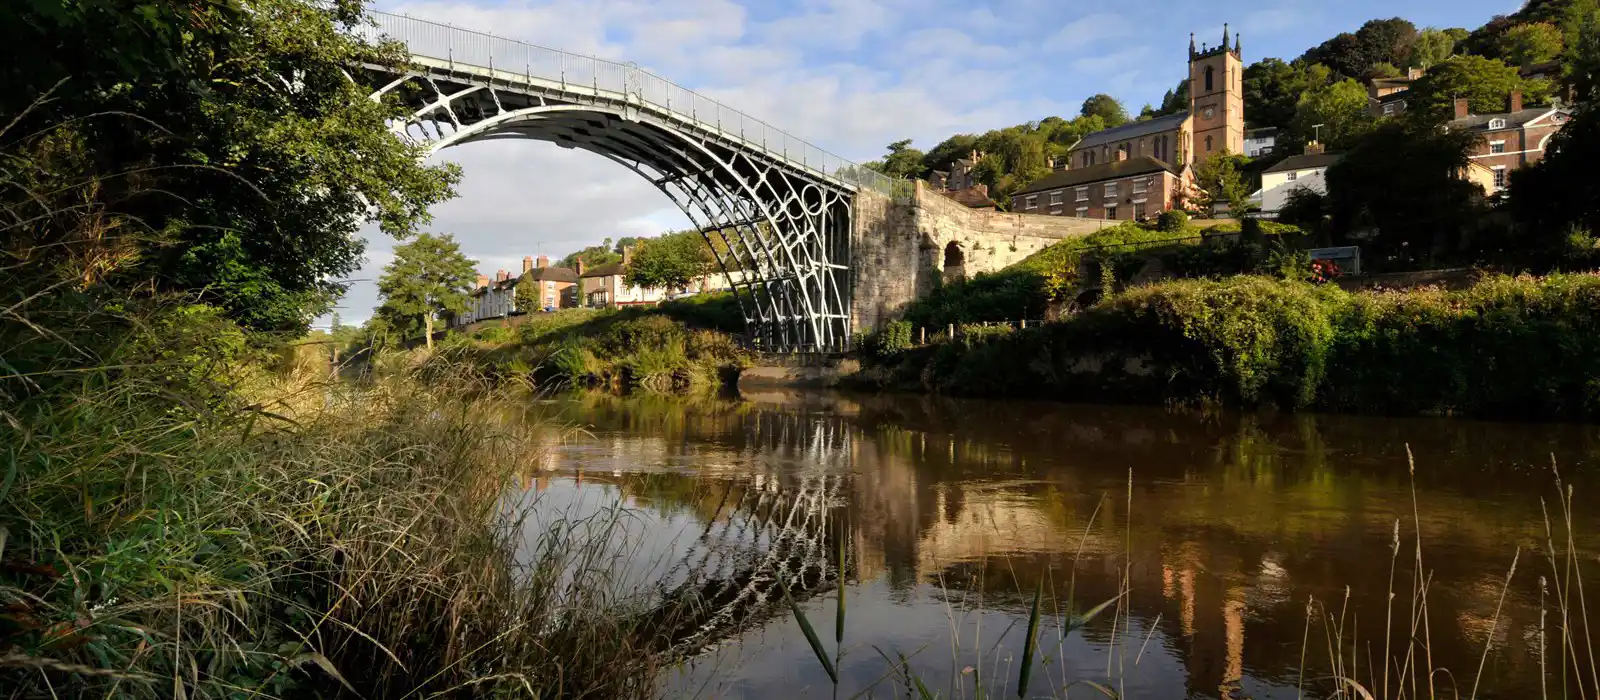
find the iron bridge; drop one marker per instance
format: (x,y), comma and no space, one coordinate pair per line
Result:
(777,211)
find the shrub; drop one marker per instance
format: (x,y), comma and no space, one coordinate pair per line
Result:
(1173,221)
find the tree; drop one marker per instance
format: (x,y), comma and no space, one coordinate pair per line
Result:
(1383,70)
(1342,53)
(1175,100)
(1272,90)
(1401,182)
(1580,62)
(1387,41)
(1485,82)
(527,294)
(253,159)
(1221,181)
(624,243)
(903,161)
(1433,46)
(1340,109)
(1527,44)
(1560,193)
(940,157)
(1106,107)
(671,261)
(428,279)
(594,256)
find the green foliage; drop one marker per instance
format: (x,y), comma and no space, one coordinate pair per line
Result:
(1432,47)
(1559,192)
(717,311)
(593,256)
(428,280)
(1399,184)
(671,261)
(1173,221)
(1342,111)
(1272,90)
(1107,108)
(1505,347)
(902,162)
(1485,82)
(235,185)
(1377,41)
(888,341)
(527,294)
(1527,44)
(1580,61)
(1222,182)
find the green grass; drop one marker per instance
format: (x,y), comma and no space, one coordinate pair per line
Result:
(321,536)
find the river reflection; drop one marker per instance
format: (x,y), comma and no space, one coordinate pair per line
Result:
(953,511)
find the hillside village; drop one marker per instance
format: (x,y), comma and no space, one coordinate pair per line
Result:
(1232,139)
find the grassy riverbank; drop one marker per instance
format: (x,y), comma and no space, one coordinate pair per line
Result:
(178,516)
(678,346)
(1508,346)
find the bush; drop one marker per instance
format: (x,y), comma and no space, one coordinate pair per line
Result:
(1173,221)
(1508,346)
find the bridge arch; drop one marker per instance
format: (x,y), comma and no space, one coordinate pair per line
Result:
(777,212)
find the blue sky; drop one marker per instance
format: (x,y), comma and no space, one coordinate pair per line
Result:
(847,75)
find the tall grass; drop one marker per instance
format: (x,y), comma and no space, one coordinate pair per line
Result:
(323,538)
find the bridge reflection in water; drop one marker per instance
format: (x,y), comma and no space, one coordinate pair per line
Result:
(952,512)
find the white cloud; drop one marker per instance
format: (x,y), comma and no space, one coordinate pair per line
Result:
(1087,31)
(831,24)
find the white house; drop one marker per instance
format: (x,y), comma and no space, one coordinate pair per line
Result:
(1293,173)
(1260,142)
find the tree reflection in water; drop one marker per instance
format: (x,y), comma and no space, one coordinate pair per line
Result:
(954,510)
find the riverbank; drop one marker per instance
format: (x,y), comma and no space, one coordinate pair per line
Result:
(186,510)
(675,347)
(1506,346)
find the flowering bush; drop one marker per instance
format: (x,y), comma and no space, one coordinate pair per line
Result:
(1324,271)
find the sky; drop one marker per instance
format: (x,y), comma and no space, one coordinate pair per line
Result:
(850,76)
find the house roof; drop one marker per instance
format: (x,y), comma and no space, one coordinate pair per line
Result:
(1096,173)
(1133,130)
(1398,81)
(552,274)
(1262,132)
(1305,161)
(976,196)
(1480,122)
(1394,97)
(607,270)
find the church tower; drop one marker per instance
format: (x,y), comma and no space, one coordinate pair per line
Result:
(1216,98)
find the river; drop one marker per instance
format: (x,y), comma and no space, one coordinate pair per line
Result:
(1207,533)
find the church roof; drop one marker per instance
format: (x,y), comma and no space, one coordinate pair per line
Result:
(1133,130)
(1096,173)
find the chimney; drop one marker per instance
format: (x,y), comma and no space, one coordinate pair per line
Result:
(1516,101)
(527,264)
(1413,73)
(1461,108)
(973,155)
(502,276)
(1121,155)
(544,261)
(580,267)
(1315,148)
(483,280)
(627,256)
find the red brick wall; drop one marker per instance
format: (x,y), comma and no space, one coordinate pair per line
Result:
(1158,196)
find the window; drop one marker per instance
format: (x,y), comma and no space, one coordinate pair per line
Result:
(1111,212)
(1139,186)
(1294,175)
(1208,144)
(1032,202)
(1055,211)
(1083,212)
(1210,76)
(1138,211)
(1497,147)
(1497,123)
(1057,196)
(1111,190)
(1083,194)
(1499,177)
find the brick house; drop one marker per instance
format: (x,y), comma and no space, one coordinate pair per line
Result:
(552,283)
(1128,189)
(1511,139)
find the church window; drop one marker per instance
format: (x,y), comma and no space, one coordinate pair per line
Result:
(1210,75)
(1208,144)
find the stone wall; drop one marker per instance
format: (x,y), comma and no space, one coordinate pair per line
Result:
(899,248)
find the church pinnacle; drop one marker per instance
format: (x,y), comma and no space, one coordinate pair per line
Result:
(1224,36)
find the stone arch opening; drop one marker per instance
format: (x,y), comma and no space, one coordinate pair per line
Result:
(1210,76)
(954,257)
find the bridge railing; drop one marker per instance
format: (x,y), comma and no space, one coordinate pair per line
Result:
(472,48)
